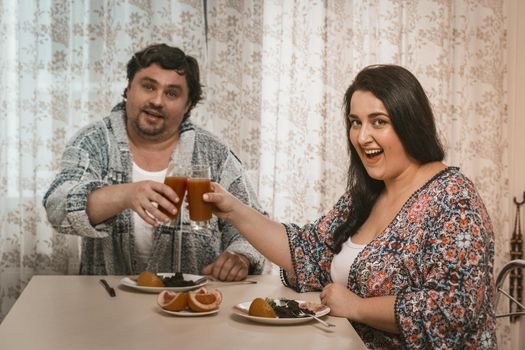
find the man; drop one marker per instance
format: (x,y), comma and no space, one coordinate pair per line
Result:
(110,187)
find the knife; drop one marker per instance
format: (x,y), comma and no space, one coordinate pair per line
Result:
(108,288)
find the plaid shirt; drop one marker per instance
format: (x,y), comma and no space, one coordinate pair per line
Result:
(99,156)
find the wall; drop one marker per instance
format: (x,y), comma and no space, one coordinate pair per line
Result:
(516,104)
(516,63)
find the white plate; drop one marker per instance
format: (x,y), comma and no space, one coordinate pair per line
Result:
(186,313)
(132,283)
(242,310)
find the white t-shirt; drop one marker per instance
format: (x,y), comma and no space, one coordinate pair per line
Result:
(143,230)
(342,262)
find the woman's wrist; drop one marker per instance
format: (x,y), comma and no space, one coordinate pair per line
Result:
(377,312)
(357,311)
(238,212)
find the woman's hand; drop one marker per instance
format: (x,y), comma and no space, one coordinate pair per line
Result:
(341,301)
(224,203)
(377,312)
(266,235)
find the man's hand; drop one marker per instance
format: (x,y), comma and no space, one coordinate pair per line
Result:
(142,196)
(106,202)
(228,267)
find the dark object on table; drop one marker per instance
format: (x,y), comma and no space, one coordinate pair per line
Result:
(177,280)
(108,288)
(286,308)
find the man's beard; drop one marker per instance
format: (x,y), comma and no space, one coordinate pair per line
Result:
(148,131)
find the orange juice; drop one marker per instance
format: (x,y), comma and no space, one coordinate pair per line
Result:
(178,184)
(199,210)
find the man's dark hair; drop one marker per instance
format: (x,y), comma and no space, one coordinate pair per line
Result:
(413,121)
(169,57)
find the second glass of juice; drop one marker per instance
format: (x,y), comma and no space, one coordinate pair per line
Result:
(176,178)
(198,184)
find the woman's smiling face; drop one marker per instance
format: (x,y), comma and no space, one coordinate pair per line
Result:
(374,138)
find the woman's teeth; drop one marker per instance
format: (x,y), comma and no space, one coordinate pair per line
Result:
(373,153)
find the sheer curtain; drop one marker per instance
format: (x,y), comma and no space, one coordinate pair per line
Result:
(274,73)
(233,83)
(63,66)
(312,51)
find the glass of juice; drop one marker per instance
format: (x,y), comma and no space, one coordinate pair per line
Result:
(176,178)
(198,184)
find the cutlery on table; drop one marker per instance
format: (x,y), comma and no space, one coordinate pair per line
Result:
(108,288)
(214,280)
(323,322)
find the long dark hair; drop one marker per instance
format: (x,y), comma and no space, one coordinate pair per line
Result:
(413,121)
(169,57)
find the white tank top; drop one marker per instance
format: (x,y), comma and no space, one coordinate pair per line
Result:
(342,262)
(143,230)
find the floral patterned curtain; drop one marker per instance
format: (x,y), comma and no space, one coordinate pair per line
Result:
(63,66)
(274,73)
(311,53)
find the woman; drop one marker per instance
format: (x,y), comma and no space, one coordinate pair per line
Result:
(406,254)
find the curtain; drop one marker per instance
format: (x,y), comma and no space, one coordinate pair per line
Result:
(233,85)
(313,50)
(63,66)
(274,73)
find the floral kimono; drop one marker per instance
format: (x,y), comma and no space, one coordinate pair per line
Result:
(436,257)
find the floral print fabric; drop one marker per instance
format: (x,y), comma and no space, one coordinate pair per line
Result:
(436,256)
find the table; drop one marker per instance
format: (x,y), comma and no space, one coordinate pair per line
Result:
(76,312)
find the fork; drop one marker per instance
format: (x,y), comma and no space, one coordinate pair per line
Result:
(214,280)
(324,323)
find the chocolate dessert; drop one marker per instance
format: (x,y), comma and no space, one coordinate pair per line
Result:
(177,280)
(286,308)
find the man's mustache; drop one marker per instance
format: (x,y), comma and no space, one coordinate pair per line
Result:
(151,108)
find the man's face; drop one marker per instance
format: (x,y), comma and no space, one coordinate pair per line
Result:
(157,100)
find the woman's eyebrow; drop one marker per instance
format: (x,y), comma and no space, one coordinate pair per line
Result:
(378,114)
(371,115)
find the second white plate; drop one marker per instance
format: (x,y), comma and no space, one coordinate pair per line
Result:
(186,313)
(242,310)
(129,282)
